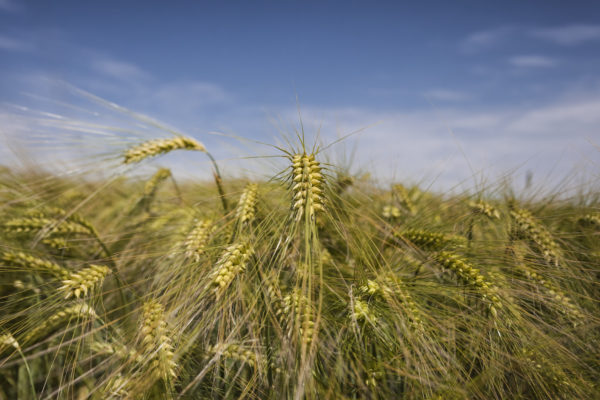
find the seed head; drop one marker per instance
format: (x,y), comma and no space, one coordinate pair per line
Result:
(246,207)
(308,183)
(155,147)
(79,283)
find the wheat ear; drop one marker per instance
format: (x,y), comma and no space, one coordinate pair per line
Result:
(246,207)
(590,220)
(34,224)
(156,179)
(391,212)
(471,277)
(196,241)
(155,147)
(308,185)
(156,343)
(555,293)
(232,262)
(485,209)
(7,341)
(296,313)
(429,241)
(81,310)
(79,283)
(235,352)
(37,264)
(393,287)
(401,194)
(528,227)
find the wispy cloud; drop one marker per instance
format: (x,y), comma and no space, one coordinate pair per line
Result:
(569,34)
(12,44)
(118,69)
(446,95)
(9,6)
(485,39)
(532,61)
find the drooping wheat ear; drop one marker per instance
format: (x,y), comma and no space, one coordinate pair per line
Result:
(393,288)
(117,388)
(526,226)
(155,147)
(471,277)
(156,179)
(234,352)
(391,212)
(77,311)
(7,341)
(590,220)
(156,343)
(360,311)
(37,264)
(429,241)
(308,185)
(79,283)
(297,313)
(246,207)
(273,294)
(402,196)
(482,208)
(554,292)
(232,262)
(545,367)
(34,224)
(56,243)
(196,241)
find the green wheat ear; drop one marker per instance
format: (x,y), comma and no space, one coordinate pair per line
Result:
(526,226)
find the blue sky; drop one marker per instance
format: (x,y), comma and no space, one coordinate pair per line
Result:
(445,91)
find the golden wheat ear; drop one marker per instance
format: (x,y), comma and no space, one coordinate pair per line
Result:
(156,147)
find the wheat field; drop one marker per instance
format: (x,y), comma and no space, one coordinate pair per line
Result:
(310,284)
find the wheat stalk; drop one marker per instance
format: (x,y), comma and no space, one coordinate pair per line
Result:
(155,147)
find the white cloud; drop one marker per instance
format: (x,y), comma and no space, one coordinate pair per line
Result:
(118,69)
(12,44)
(485,39)
(446,95)
(532,61)
(449,147)
(570,34)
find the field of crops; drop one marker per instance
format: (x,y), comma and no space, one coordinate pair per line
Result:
(314,284)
